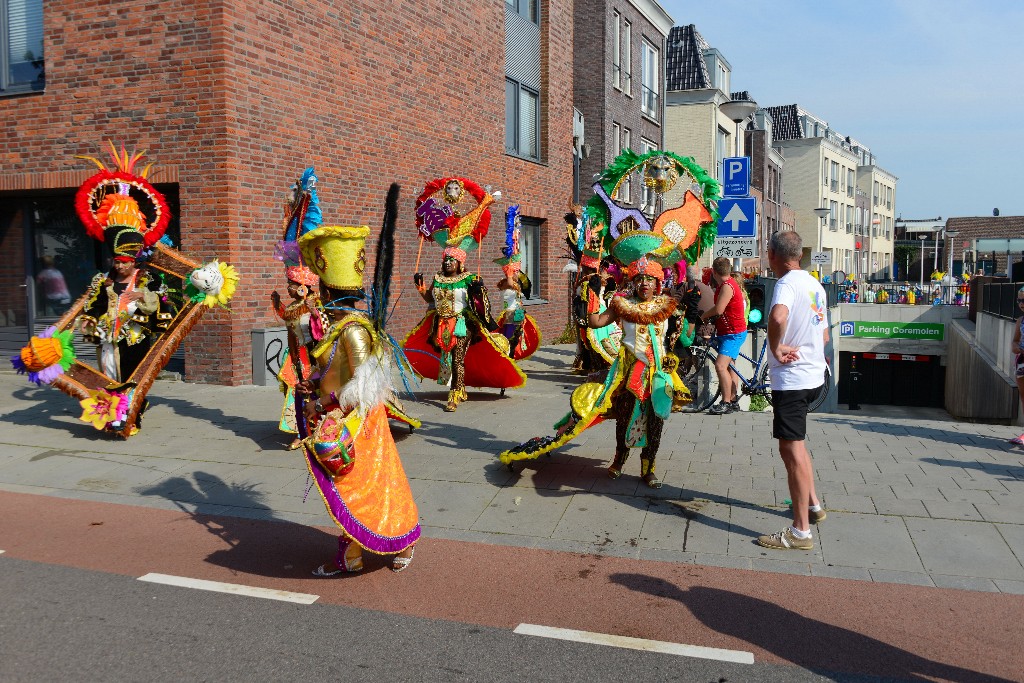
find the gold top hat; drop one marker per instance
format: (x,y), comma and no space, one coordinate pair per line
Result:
(336,253)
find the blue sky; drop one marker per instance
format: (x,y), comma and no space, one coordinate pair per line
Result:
(933,88)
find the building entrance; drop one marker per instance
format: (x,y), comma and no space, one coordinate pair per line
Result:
(893,379)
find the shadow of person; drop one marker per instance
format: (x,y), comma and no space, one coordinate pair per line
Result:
(258,431)
(43,405)
(259,543)
(808,643)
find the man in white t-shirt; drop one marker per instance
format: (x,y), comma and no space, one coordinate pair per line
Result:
(797,334)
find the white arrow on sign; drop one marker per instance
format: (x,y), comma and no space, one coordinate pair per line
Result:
(735,216)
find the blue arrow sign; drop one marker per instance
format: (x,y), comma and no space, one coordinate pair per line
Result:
(737,217)
(736,177)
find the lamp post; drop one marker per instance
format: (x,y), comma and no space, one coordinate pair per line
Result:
(822,212)
(951,234)
(922,238)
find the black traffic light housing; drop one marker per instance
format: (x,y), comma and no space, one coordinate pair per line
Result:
(760,291)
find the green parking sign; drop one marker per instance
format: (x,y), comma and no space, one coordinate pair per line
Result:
(880,330)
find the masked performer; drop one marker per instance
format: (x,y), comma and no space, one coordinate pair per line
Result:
(138,312)
(596,348)
(303,317)
(519,328)
(640,389)
(457,343)
(349,449)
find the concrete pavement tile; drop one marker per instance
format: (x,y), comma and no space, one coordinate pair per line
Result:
(34,490)
(730,458)
(917,493)
(903,508)
(722,468)
(958,495)
(873,491)
(1013,534)
(598,519)
(839,502)
(842,476)
(523,512)
(453,504)
(927,481)
(731,482)
(664,527)
(708,527)
(909,578)
(623,486)
(966,583)
(752,497)
(942,510)
(900,468)
(982,482)
(755,471)
(1006,514)
(658,555)
(868,541)
(832,572)
(782,566)
(857,466)
(961,548)
(726,561)
(1010,587)
(125,479)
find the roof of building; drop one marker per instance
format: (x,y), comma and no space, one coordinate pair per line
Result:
(787,122)
(994,226)
(685,68)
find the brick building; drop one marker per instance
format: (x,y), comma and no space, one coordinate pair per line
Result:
(232,99)
(619,84)
(969,230)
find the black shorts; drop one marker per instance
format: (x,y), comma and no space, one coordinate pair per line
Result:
(790,407)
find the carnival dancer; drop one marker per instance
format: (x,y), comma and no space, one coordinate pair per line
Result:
(457,343)
(519,328)
(596,348)
(136,313)
(640,389)
(349,449)
(303,316)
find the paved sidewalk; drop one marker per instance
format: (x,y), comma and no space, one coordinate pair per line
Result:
(912,496)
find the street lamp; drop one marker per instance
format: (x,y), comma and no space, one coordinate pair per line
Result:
(951,234)
(821,212)
(922,238)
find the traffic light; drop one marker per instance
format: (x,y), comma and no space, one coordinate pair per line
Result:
(759,291)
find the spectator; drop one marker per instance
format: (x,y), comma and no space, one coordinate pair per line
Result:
(55,289)
(730,316)
(797,333)
(1018,356)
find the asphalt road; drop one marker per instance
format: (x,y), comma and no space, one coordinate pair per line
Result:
(61,623)
(73,609)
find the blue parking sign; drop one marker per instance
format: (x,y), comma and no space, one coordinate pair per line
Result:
(736,177)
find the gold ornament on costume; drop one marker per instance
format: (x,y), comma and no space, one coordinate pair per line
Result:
(660,174)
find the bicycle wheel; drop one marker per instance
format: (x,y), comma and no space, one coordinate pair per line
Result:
(702,381)
(765,381)
(820,399)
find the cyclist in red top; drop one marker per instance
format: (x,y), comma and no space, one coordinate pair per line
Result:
(730,317)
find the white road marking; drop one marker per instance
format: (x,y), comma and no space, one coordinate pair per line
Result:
(232,588)
(738,656)
(1,552)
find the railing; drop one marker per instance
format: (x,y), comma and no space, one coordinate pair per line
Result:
(1000,299)
(930,295)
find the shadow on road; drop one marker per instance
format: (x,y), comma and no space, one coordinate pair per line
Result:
(808,643)
(264,546)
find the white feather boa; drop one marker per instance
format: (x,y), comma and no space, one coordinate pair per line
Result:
(370,385)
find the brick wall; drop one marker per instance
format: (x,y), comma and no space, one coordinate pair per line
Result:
(600,102)
(234,99)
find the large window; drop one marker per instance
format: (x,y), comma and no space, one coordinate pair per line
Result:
(627,58)
(721,151)
(626,187)
(833,222)
(616,50)
(529,247)
(522,114)
(21,46)
(649,72)
(647,195)
(528,9)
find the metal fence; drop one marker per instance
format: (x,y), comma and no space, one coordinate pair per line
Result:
(929,295)
(1000,298)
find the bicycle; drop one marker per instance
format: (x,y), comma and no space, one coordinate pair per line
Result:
(702,380)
